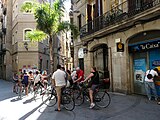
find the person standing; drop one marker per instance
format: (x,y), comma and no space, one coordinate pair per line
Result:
(149,83)
(15,81)
(59,81)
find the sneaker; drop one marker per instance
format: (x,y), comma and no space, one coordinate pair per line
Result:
(92,105)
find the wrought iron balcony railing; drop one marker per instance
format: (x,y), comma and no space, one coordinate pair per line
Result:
(117,14)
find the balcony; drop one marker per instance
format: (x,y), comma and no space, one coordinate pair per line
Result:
(119,18)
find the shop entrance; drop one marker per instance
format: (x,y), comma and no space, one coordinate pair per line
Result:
(100,60)
(144,49)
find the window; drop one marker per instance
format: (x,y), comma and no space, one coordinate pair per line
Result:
(24,34)
(79,21)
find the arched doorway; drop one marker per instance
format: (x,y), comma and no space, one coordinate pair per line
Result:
(100,59)
(144,51)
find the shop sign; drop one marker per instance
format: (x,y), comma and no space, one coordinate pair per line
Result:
(150,46)
(120,47)
(145,46)
(156,63)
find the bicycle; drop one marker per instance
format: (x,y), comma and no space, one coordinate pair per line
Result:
(100,97)
(37,89)
(50,98)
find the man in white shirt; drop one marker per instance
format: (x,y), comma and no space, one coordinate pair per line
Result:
(59,82)
(149,83)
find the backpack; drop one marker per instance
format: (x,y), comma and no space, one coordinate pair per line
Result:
(149,76)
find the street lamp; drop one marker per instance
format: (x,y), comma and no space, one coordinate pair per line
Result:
(26,45)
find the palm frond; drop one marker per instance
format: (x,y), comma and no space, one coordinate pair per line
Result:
(36,35)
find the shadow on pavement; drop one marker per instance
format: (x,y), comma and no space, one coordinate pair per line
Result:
(30,113)
(63,115)
(6,93)
(16,99)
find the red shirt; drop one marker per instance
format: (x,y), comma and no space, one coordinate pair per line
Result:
(79,74)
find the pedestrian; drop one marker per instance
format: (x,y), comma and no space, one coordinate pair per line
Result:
(59,81)
(93,84)
(149,83)
(15,81)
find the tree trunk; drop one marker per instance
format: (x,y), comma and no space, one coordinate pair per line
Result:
(51,53)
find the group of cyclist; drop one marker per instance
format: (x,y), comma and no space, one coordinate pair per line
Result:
(76,78)
(60,78)
(30,79)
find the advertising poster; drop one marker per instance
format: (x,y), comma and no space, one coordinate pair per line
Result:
(139,70)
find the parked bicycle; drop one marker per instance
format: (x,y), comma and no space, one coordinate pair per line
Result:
(50,98)
(100,97)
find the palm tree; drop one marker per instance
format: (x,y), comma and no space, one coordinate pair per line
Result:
(49,24)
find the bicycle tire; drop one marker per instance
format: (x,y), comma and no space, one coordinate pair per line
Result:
(78,97)
(102,99)
(49,99)
(68,102)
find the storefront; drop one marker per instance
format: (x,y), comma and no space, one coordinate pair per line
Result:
(144,49)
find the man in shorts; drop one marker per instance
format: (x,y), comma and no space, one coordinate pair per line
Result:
(59,81)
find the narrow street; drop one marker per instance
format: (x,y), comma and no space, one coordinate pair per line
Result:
(122,107)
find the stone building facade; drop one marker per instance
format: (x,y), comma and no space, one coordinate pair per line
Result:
(5,39)
(18,53)
(119,36)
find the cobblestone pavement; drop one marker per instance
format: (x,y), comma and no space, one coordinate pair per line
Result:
(122,107)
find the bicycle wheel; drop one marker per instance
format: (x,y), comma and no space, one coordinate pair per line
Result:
(49,99)
(102,99)
(68,102)
(78,97)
